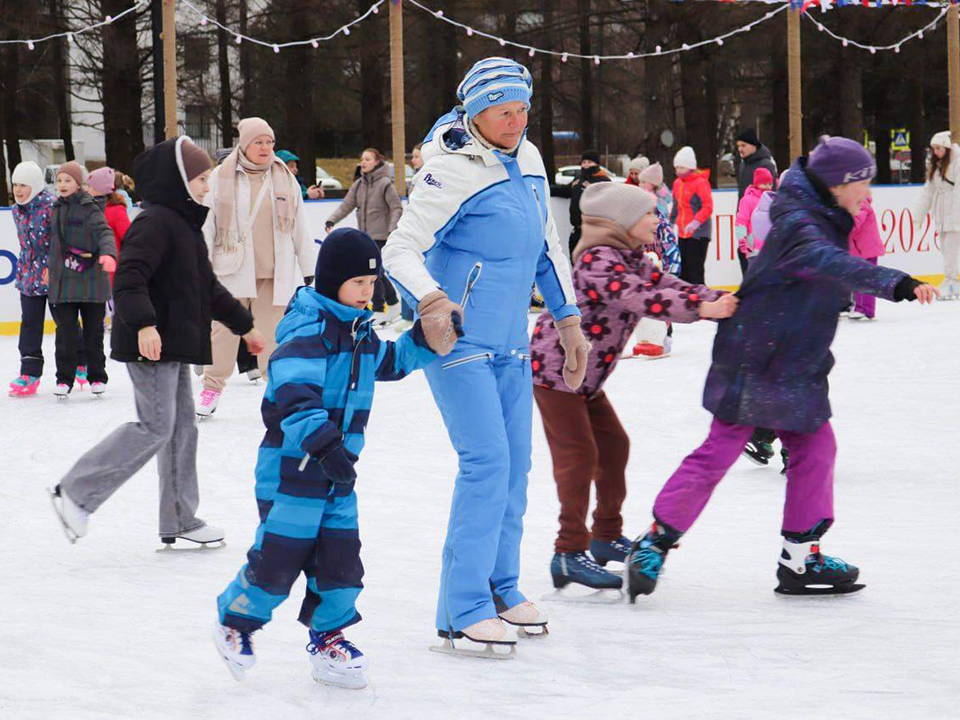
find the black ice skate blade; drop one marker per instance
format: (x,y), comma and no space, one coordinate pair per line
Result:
(821,590)
(599,596)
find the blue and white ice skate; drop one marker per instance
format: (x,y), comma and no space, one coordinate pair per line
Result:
(578,568)
(645,561)
(337,661)
(614,551)
(804,570)
(235,648)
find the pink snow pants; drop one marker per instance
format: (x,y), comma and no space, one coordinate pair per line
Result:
(809,476)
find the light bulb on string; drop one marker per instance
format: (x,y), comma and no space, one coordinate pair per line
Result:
(563,58)
(376,10)
(346,31)
(657,49)
(686,47)
(109,19)
(315,44)
(532,52)
(276,48)
(630,56)
(873,51)
(502,42)
(896,49)
(469,32)
(720,41)
(203,21)
(920,35)
(845,43)
(239,39)
(596,59)
(30,45)
(439,13)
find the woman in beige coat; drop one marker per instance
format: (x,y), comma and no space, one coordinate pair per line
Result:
(941,198)
(378,208)
(259,244)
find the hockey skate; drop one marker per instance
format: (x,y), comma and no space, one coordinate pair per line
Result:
(645,562)
(24,386)
(205,537)
(578,568)
(530,621)
(62,391)
(209,399)
(337,661)
(490,639)
(804,570)
(613,551)
(235,649)
(72,517)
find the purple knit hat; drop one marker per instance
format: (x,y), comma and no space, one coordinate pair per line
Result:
(839,160)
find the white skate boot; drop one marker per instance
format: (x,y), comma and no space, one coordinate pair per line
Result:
(209,399)
(235,648)
(204,536)
(73,518)
(497,640)
(337,661)
(530,621)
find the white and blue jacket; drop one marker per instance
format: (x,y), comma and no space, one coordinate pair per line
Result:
(481,217)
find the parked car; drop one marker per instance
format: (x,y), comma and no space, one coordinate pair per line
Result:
(568,173)
(326,181)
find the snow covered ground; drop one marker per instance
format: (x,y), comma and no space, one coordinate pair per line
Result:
(110,628)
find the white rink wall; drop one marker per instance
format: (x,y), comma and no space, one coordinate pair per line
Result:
(917,254)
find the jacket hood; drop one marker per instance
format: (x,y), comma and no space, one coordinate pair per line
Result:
(38,201)
(160,179)
(451,134)
(691,176)
(305,307)
(766,200)
(803,191)
(380,171)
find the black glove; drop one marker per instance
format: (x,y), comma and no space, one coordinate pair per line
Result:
(337,464)
(329,225)
(905,289)
(308,280)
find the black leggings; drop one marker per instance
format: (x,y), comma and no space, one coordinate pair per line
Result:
(693,258)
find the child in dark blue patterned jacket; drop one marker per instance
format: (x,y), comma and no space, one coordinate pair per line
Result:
(316,405)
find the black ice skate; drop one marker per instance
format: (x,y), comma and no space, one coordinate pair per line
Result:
(804,570)
(645,561)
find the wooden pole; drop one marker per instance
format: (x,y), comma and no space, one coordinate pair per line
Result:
(396,96)
(953,70)
(170,68)
(793,73)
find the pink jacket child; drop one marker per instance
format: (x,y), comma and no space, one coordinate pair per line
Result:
(866,243)
(743,228)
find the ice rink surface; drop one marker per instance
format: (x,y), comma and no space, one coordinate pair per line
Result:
(110,628)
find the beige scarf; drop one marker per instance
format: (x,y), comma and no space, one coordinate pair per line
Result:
(599,231)
(285,188)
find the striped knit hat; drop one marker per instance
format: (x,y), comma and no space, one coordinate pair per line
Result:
(494,81)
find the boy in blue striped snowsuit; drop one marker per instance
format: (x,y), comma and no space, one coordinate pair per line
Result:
(315,408)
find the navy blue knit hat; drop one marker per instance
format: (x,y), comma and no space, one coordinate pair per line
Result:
(494,81)
(345,253)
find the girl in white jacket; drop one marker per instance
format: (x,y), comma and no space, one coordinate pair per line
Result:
(941,197)
(259,243)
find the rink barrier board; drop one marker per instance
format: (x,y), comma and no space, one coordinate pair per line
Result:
(917,254)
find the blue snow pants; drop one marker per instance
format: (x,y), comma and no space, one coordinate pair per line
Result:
(302,529)
(486,400)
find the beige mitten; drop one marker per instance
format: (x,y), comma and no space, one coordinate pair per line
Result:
(575,350)
(437,313)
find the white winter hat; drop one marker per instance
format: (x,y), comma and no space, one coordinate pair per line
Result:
(686,158)
(942,139)
(639,163)
(29,173)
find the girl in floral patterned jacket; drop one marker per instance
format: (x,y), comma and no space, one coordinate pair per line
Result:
(616,284)
(31,215)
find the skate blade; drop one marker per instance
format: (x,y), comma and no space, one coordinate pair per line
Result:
(488,653)
(350,681)
(192,546)
(532,632)
(239,674)
(606,596)
(71,535)
(843,589)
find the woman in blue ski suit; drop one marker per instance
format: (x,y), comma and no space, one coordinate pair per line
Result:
(480,230)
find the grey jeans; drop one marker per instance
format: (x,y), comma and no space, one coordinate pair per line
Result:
(168,429)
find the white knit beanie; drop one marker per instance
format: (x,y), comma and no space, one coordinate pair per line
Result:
(653,175)
(623,204)
(942,139)
(29,173)
(685,158)
(639,163)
